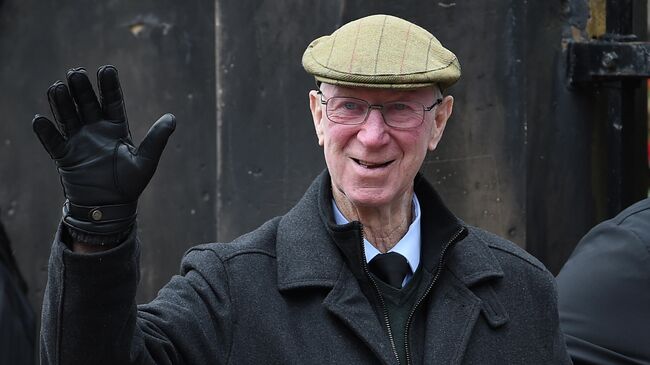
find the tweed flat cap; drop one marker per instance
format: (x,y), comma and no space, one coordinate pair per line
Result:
(381,51)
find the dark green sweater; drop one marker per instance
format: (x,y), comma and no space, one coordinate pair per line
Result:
(399,303)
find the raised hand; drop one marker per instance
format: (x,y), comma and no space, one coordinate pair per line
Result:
(101,170)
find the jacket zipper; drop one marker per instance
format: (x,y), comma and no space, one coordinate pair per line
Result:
(426,293)
(381,299)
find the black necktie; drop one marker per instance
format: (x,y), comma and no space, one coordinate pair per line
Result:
(390,267)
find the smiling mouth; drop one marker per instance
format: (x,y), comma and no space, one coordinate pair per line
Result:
(372,165)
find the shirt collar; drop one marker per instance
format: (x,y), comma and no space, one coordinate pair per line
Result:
(408,246)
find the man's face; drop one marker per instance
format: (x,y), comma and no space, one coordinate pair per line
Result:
(373,164)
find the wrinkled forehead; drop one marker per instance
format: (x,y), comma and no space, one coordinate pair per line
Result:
(370,94)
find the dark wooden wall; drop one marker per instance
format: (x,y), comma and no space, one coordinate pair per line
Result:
(164,51)
(521,156)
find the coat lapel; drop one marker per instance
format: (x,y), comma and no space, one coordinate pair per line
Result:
(347,302)
(305,254)
(449,323)
(463,296)
(307,257)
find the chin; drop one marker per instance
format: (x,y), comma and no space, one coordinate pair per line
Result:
(370,197)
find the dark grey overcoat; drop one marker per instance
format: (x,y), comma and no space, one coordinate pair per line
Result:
(286,294)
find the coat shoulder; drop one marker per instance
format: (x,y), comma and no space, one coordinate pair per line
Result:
(634,219)
(507,251)
(260,241)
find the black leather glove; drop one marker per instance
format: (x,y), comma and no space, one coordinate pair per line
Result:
(101,170)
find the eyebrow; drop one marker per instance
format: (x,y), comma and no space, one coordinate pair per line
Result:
(395,95)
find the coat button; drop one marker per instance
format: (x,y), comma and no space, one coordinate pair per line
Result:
(96,214)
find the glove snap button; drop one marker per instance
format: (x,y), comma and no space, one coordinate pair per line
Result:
(96,214)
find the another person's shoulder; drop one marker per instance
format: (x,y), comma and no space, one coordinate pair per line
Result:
(602,301)
(624,238)
(614,253)
(635,219)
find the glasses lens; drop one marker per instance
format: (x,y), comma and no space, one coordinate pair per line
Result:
(403,114)
(346,110)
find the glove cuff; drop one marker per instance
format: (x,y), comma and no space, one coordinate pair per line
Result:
(101,214)
(95,239)
(102,224)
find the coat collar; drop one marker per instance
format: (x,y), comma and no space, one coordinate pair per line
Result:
(305,255)
(472,261)
(312,251)
(313,254)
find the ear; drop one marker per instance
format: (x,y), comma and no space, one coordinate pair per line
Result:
(317,115)
(443,112)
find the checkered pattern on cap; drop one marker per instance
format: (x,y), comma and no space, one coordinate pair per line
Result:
(381,51)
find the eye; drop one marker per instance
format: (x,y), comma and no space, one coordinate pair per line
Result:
(400,106)
(351,105)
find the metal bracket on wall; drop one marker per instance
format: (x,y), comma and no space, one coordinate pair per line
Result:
(602,60)
(615,63)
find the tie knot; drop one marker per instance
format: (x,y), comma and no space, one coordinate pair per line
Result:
(390,268)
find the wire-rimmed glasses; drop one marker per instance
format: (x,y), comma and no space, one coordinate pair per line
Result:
(397,114)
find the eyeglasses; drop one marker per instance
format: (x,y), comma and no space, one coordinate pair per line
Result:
(397,114)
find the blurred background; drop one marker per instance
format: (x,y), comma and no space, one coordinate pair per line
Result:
(538,150)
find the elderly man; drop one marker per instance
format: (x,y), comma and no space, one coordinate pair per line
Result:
(368,267)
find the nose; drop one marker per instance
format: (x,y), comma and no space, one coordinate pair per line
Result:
(373,131)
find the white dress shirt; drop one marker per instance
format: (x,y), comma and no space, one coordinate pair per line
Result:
(408,246)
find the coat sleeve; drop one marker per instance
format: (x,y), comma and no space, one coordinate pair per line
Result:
(90,315)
